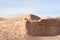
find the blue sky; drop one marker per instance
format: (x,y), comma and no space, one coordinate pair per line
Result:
(42,8)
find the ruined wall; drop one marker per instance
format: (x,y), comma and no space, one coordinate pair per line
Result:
(29,25)
(12,30)
(45,27)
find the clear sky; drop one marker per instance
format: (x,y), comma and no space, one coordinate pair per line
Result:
(42,8)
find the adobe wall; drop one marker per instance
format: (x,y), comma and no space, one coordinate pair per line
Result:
(45,27)
(29,27)
(12,30)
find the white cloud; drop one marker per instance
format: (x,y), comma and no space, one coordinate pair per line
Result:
(9,12)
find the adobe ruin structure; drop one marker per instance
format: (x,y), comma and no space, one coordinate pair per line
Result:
(29,27)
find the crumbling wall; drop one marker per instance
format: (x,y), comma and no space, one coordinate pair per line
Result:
(12,31)
(28,27)
(45,27)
